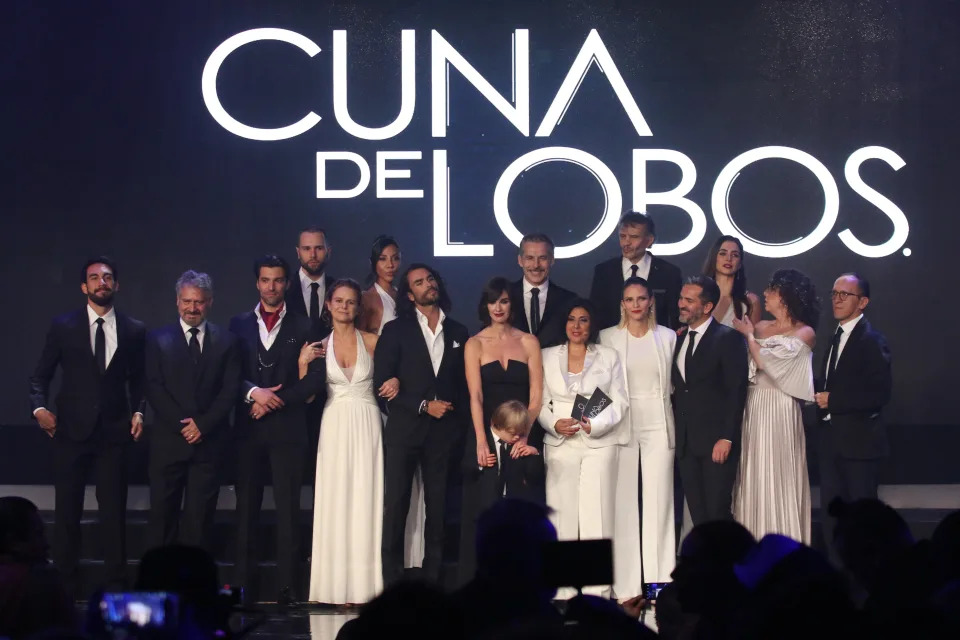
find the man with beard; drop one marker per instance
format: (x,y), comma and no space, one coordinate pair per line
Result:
(271,421)
(193,374)
(537,303)
(307,298)
(423,348)
(99,411)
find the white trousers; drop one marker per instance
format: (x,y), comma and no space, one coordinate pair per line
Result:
(644,543)
(581,490)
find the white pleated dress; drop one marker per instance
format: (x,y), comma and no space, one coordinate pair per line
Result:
(348,500)
(772,490)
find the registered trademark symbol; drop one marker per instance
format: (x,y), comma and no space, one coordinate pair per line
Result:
(907,251)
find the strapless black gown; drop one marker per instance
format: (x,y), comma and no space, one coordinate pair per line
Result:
(500,385)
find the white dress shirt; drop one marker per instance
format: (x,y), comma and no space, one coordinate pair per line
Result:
(434,340)
(528,296)
(201,336)
(643,267)
(682,355)
(267,337)
(848,328)
(109,332)
(305,288)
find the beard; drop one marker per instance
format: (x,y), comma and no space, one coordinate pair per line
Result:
(429,297)
(102,298)
(314,271)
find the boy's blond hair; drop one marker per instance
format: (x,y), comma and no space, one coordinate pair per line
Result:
(511,417)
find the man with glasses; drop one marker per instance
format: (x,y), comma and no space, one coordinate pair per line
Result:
(854,384)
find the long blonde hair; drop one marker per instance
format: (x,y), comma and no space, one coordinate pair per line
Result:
(652,315)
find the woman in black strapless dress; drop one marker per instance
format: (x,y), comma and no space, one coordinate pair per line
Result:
(502,363)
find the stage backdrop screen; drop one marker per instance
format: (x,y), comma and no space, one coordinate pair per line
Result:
(174,135)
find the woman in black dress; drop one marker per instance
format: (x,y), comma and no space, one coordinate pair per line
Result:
(502,363)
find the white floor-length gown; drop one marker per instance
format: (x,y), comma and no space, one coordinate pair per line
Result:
(348,499)
(414,541)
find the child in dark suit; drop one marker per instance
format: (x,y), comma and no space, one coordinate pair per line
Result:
(503,476)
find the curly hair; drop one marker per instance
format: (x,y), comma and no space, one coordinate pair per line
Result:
(799,295)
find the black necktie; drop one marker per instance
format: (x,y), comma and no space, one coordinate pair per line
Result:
(314,301)
(502,477)
(194,345)
(688,357)
(834,354)
(634,268)
(534,311)
(100,347)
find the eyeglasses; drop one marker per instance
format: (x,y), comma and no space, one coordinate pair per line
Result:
(843,295)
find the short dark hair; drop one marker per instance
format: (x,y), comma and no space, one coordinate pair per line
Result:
(405,307)
(709,291)
(862,283)
(585,304)
(270,260)
(640,219)
(535,237)
(15,515)
(99,260)
(349,283)
(312,229)
(490,294)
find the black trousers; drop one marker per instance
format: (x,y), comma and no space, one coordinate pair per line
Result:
(286,468)
(846,478)
(191,482)
(708,486)
(73,462)
(399,465)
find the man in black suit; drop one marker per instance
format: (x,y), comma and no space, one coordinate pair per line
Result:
(193,376)
(854,384)
(538,304)
(99,410)
(637,233)
(271,421)
(710,389)
(423,348)
(503,476)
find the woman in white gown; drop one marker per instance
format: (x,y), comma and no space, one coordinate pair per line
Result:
(348,500)
(379,304)
(772,490)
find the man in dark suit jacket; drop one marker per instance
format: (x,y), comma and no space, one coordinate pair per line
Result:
(854,384)
(423,349)
(271,421)
(637,233)
(99,410)
(193,376)
(537,303)
(520,478)
(710,389)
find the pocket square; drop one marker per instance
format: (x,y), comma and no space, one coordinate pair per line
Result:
(456,345)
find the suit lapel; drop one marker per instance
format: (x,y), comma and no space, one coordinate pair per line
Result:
(417,338)
(702,347)
(520,312)
(851,345)
(122,338)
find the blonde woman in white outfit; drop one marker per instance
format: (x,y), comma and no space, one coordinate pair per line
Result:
(644,547)
(581,456)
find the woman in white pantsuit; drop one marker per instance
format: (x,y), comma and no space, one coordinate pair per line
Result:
(581,456)
(644,547)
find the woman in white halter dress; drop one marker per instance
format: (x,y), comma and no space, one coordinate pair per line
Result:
(379,308)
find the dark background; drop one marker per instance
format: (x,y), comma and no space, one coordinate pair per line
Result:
(108,148)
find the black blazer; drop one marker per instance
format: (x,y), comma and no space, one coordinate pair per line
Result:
(177,388)
(708,406)
(88,398)
(293,300)
(526,478)
(552,321)
(859,389)
(606,291)
(402,353)
(289,424)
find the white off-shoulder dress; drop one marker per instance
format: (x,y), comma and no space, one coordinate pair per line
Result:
(772,490)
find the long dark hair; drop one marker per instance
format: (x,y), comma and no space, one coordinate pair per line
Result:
(349,283)
(379,244)
(739,291)
(585,304)
(405,306)
(799,295)
(492,291)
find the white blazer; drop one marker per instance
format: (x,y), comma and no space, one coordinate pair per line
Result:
(665,340)
(601,368)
